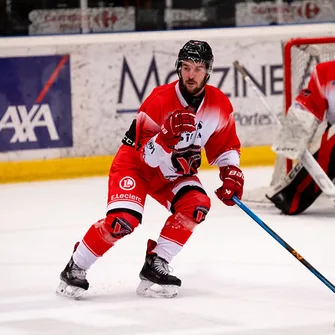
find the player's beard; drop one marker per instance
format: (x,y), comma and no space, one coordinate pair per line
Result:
(194,90)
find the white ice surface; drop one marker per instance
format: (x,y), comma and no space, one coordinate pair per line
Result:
(236,278)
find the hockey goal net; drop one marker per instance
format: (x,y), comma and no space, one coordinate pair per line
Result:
(300,56)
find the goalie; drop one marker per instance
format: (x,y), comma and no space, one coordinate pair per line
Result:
(297,191)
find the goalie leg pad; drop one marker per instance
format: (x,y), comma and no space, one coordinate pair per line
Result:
(296,133)
(298,190)
(293,196)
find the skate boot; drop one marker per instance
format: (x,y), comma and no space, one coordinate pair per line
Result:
(156,280)
(73,280)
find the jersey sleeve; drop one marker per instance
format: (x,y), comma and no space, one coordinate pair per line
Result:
(223,147)
(313,99)
(149,119)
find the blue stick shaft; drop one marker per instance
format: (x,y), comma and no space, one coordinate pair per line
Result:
(284,244)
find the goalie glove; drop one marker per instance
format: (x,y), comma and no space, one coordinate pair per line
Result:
(298,127)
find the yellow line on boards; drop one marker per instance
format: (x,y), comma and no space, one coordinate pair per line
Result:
(75,167)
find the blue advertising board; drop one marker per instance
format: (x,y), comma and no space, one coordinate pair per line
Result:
(35,103)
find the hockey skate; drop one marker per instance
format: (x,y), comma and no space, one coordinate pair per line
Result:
(156,280)
(73,281)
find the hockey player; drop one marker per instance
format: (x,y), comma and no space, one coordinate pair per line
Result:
(160,156)
(298,190)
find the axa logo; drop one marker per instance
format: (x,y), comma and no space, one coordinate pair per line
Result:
(24,122)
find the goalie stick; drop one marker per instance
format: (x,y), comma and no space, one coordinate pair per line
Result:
(293,252)
(307,159)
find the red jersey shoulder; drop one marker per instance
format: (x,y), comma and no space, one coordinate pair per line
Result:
(218,98)
(326,71)
(158,93)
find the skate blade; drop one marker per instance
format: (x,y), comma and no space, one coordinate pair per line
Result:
(68,291)
(146,289)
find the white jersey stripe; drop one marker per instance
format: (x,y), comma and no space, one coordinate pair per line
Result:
(125,204)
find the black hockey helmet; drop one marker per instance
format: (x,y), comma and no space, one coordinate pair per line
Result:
(197,51)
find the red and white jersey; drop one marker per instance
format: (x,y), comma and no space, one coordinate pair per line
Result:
(215,131)
(322,86)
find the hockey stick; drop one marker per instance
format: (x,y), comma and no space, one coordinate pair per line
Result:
(307,159)
(301,259)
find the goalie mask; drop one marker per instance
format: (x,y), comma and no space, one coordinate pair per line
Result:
(196,51)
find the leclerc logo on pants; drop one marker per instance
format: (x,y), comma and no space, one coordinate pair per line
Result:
(127,183)
(35,103)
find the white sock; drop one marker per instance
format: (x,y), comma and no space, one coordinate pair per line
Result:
(84,257)
(166,249)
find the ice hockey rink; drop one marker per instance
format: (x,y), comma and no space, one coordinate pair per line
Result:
(236,278)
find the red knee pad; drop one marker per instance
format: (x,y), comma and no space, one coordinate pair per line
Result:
(193,204)
(190,210)
(106,232)
(120,224)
